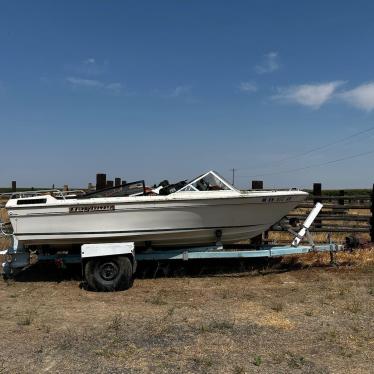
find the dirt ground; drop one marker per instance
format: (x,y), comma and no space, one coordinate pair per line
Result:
(299,315)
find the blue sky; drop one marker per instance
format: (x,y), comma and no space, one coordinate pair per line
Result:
(169,89)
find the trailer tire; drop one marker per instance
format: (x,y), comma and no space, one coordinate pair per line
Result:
(109,273)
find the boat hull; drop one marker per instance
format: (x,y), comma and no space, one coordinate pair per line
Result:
(159,221)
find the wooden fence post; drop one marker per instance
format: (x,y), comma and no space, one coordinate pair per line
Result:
(341,201)
(317,191)
(100,181)
(257,185)
(372,216)
(117,182)
(14,186)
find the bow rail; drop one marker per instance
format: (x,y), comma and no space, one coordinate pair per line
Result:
(53,192)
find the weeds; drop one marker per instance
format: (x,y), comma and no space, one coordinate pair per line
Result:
(329,335)
(45,328)
(203,361)
(371,288)
(257,361)
(354,306)
(277,306)
(2,367)
(110,352)
(116,323)
(217,326)
(248,295)
(68,339)
(345,289)
(239,370)
(156,300)
(170,311)
(296,362)
(26,319)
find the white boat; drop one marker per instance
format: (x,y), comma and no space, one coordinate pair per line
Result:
(206,210)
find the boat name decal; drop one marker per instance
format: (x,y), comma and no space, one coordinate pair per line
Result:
(91,208)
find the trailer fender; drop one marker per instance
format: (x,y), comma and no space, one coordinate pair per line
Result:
(127,249)
(108,266)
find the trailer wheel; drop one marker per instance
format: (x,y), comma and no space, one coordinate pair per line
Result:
(109,273)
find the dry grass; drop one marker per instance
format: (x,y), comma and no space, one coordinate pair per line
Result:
(318,237)
(300,315)
(4,243)
(3,215)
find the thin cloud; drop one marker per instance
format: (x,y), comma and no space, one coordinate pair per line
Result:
(81,82)
(87,67)
(115,88)
(269,65)
(247,87)
(180,91)
(89,61)
(75,82)
(309,95)
(361,97)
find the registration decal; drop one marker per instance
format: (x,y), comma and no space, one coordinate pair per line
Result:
(280,199)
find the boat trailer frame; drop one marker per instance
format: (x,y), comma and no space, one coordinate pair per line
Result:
(18,258)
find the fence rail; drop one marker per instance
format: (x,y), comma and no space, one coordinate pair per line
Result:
(337,206)
(325,229)
(336,215)
(326,217)
(341,197)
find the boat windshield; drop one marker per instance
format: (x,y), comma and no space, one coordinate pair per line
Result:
(209,181)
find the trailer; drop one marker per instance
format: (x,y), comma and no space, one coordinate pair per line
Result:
(112,266)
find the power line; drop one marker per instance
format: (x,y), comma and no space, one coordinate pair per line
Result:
(278,162)
(309,166)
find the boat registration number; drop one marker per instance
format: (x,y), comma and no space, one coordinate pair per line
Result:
(280,199)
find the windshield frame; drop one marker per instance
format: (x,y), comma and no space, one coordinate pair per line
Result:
(191,188)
